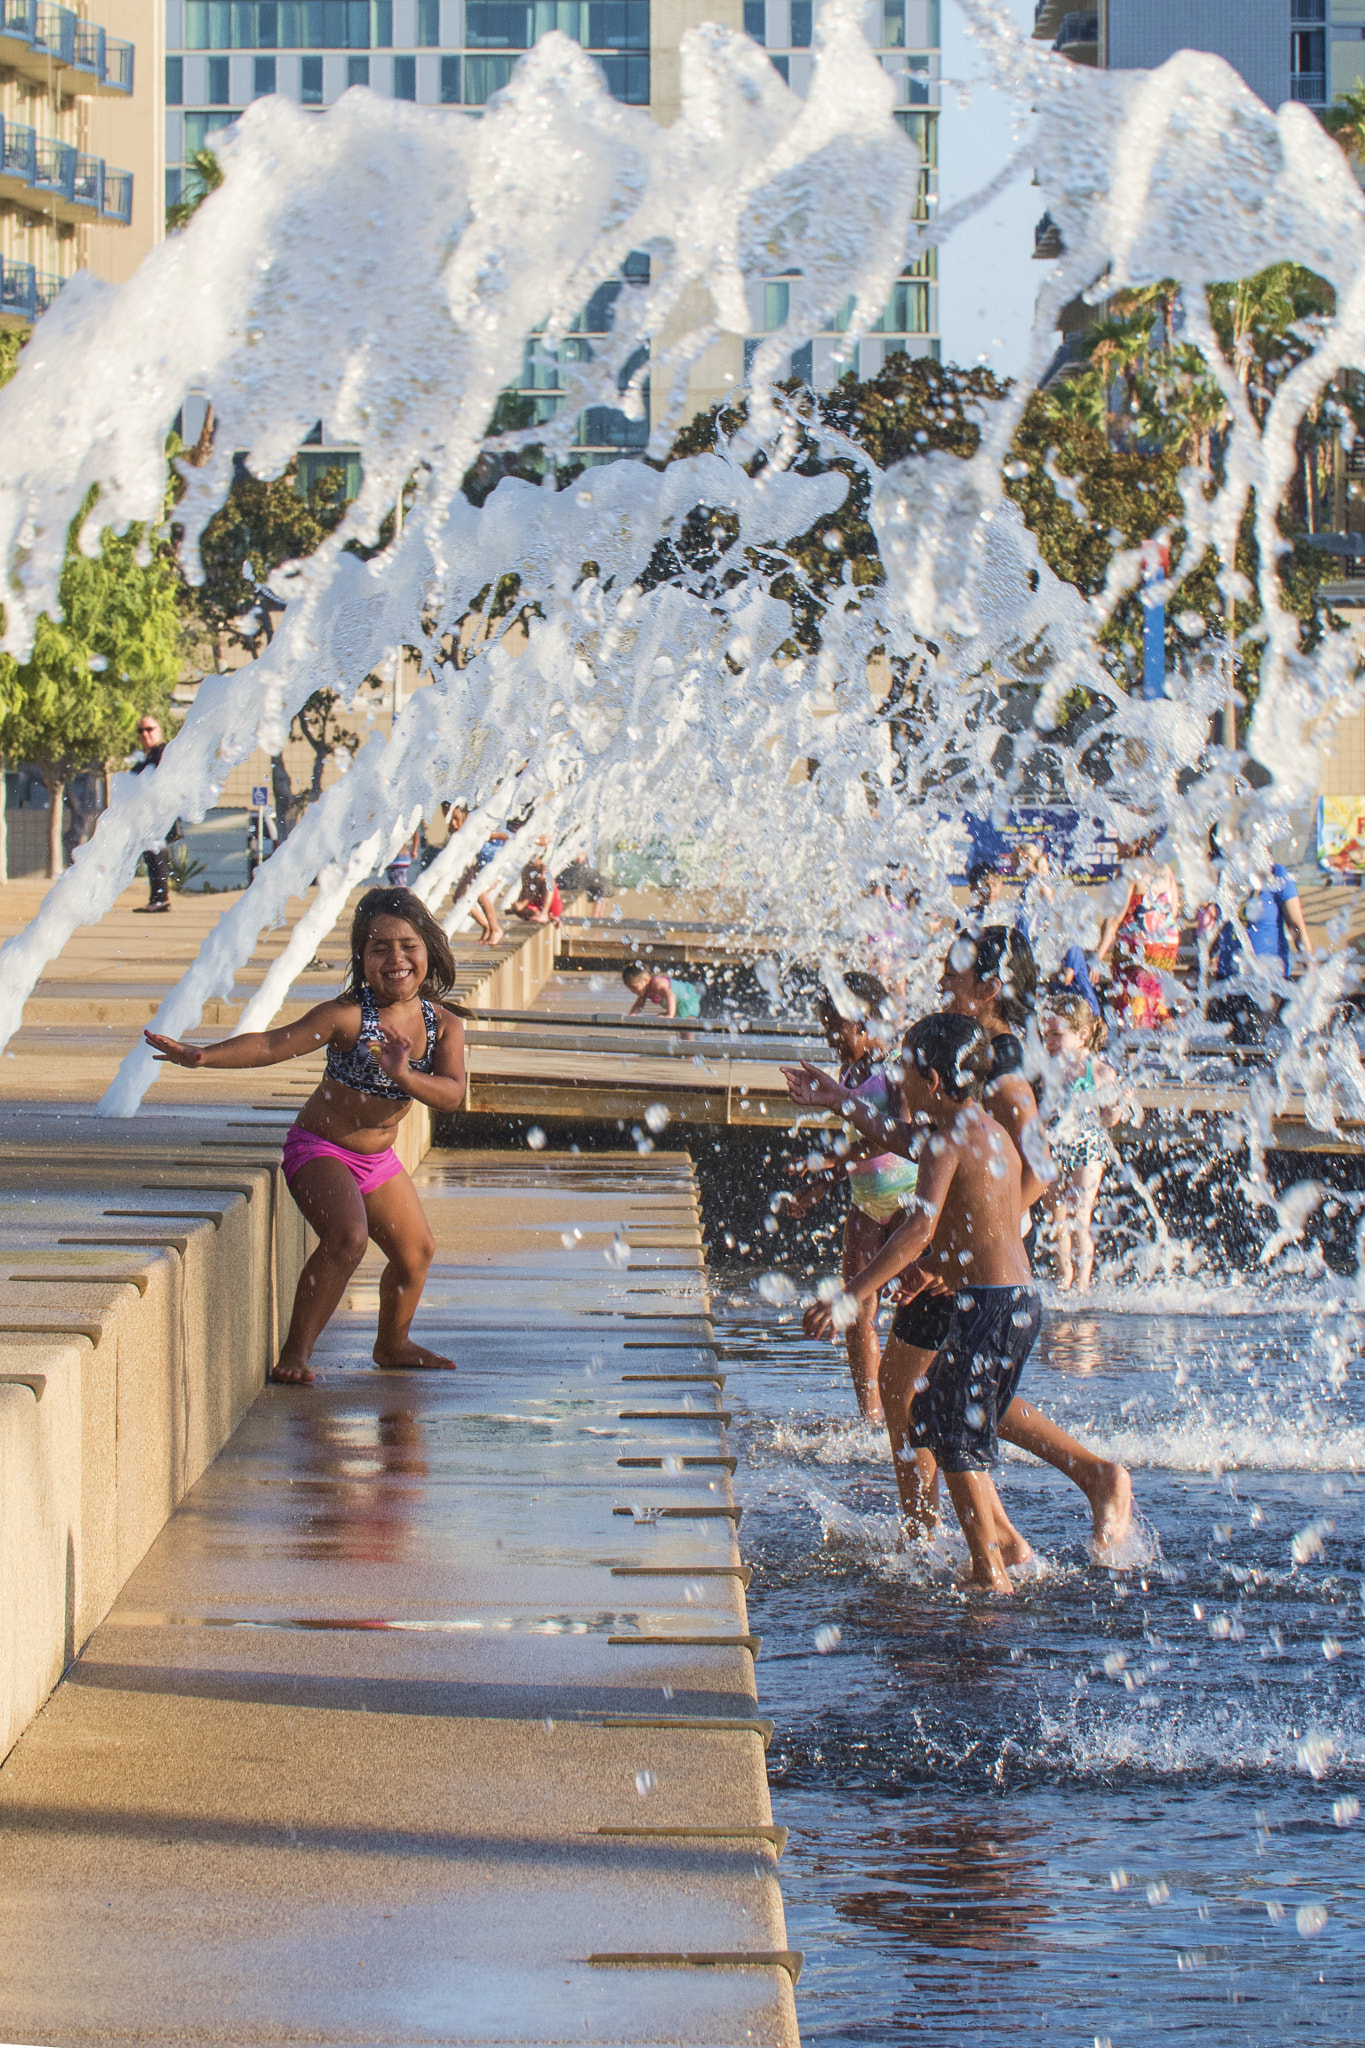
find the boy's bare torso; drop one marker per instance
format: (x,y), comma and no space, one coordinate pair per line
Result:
(976,1237)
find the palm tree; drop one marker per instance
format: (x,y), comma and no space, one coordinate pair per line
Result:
(207,174)
(1345,119)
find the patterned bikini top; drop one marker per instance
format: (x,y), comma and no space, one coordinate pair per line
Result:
(359,1068)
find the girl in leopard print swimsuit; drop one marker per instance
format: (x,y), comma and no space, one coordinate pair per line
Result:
(390,1042)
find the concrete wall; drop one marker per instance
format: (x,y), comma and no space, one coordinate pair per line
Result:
(1253,35)
(124,1369)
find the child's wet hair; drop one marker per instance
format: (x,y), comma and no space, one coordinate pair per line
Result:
(1076,1011)
(867,992)
(956,1049)
(1003,953)
(633,972)
(377,903)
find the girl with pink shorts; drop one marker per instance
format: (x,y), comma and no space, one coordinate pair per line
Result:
(339,1160)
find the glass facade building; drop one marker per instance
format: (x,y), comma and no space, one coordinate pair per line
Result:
(455,54)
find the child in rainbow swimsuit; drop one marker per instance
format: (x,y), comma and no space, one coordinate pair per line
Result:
(339,1160)
(879,1184)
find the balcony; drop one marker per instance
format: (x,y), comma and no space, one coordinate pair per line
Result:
(37,38)
(54,178)
(1310,87)
(1078,38)
(25,293)
(1047,240)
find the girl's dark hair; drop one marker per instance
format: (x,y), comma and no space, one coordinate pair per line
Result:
(376,903)
(1003,953)
(633,968)
(865,989)
(956,1049)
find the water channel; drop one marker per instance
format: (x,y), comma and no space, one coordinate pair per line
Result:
(1123,1807)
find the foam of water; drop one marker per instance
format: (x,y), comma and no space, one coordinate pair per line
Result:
(681,711)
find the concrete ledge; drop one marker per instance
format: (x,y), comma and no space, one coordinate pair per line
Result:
(141,1291)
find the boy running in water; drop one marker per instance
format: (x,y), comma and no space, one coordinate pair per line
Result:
(964,1230)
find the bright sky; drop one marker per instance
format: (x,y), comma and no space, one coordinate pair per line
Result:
(988,278)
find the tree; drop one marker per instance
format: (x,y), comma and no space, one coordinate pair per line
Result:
(1345,119)
(203,175)
(72,706)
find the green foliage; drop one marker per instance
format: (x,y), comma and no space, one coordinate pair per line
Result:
(914,405)
(10,345)
(204,174)
(1345,118)
(263,524)
(63,715)
(1122,428)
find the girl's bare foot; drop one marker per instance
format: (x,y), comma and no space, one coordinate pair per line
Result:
(292,1372)
(1015,1549)
(1111,1508)
(411,1357)
(496,936)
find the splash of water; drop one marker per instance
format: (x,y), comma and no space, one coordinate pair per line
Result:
(684,709)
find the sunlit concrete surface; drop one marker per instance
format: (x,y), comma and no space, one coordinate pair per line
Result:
(431,1714)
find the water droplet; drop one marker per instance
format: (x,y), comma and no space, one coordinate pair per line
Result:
(776,1288)
(536,1138)
(656,1117)
(1344,1811)
(1158,1893)
(828,1638)
(645,1781)
(1310,1920)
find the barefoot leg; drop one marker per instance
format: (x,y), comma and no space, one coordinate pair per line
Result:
(400,1229)
(326,1192)
(1082,1191)
(903,1365)
(863,1239)
(1014,1548)
(972,1495)
(492,928)
(1106,1486)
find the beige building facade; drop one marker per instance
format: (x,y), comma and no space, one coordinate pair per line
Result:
(68,81)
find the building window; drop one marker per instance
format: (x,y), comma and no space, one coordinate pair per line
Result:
(627,78)
(596,24)
(264,79)
(756,20)
(1308,65)
(483,76)
(175,81)
(893,24)
(450,81)
(782,66)
(803,363)
(310,81)
(286,24)
(428,23)
(405,78)
(199,127)
(220,90)
(776,305)
(801,12)
(357,71)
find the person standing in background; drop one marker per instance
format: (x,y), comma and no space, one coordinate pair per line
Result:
(153,743)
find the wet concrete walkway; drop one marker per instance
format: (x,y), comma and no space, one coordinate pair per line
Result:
(431,1714)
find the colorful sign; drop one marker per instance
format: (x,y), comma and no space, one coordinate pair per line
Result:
(1069,843)
(1341,834)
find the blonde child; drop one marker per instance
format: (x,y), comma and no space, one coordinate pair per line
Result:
(1077,1134)
(390,1042)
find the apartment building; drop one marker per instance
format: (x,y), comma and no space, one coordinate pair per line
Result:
(455,54)
(64,193)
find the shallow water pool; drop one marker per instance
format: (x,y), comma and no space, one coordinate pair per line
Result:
(1121,1807)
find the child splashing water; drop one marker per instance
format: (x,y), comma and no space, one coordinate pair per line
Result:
(388,1045)
(879,1183)
(965,1232)
(1080,1149)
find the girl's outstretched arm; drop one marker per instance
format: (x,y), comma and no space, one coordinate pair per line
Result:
(255,1048)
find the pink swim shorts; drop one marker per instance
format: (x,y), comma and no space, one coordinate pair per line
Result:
(369,1170)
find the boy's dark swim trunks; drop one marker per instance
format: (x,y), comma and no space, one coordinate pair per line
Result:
(975,1376)
(923,1320)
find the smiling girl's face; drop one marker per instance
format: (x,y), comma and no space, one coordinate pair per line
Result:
(1061,1036)
(394,961)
